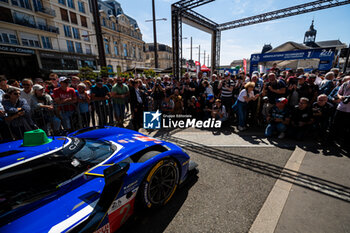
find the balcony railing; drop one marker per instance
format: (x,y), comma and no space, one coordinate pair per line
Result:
(47,11)
(27,23)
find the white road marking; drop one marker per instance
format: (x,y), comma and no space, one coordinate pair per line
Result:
(269,214)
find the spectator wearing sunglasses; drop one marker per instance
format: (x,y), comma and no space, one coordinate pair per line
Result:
(18,113)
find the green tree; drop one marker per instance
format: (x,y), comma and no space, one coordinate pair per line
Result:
(149,72)
(105,73)
(86,73)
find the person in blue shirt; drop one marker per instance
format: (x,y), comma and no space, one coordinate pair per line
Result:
(100,94)
(278,119)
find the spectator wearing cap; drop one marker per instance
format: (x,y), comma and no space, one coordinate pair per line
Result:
(241,105)
(322,112)
(327,85)
(65,96)
(178,101)
(119,93)
(43,110)
(18,113)
(83,99)
(274,88)
(278,119)
(341,122)
(27,91)
(266,107)
(301,119)
(208,106)
(219,111)
(215,85)
(226,86)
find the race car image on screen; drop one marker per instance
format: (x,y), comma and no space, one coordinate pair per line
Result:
(89,181)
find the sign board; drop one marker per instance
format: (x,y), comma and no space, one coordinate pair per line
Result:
(16,49)
(326,57)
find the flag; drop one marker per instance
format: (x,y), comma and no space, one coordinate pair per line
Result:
(245,65)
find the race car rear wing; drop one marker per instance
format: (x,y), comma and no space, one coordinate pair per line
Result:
(113,181)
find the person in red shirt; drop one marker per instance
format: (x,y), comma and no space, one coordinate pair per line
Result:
(66,97)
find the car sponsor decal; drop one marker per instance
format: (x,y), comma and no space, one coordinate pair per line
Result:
(120,210)
(104,229)
(122,141)
(144,139)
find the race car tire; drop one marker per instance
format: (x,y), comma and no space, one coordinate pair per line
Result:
(160,184)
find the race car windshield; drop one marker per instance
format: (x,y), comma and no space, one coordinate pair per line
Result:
(32,181)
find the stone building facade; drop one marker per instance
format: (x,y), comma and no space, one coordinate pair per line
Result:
(122,38)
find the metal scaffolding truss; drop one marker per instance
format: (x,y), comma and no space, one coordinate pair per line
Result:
(286,12)
(181,12)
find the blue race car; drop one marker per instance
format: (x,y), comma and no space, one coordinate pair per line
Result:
(89,181)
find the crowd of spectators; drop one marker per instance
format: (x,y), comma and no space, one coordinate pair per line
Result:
(287,103)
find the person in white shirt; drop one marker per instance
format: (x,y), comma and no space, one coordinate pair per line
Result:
(246,95)
(27,91)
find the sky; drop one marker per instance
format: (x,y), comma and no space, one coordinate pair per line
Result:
(236,44)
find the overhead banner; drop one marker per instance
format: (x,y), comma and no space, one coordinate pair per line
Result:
(326,57)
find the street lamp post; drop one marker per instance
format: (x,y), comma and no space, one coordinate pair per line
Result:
(98,32)
(155,37)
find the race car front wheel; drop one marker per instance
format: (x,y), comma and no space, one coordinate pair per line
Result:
(160,183)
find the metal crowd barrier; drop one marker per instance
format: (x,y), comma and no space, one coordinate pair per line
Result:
(67,118)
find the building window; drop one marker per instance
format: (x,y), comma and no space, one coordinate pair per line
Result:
(113,25)
(81,7)
(115,48)
(64,15)
(22,3)
(24,19)
(67,31)
(78,47)
(104,22)
(85,35)
(31,43)
(106,46)
(46,42)
(63,2)
(8,38)
(83,21)
(73,18)
(88,49)
(125,47)
(76,34)
(71,3)
(4,1)
(70,46)
(133,52)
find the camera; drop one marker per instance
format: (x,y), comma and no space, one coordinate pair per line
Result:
(346,99)
(157,84)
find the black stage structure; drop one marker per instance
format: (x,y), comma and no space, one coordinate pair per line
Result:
(182,12)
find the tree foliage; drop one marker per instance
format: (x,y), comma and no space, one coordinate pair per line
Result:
(86,73)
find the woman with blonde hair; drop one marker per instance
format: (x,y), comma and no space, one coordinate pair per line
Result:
(246,95)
